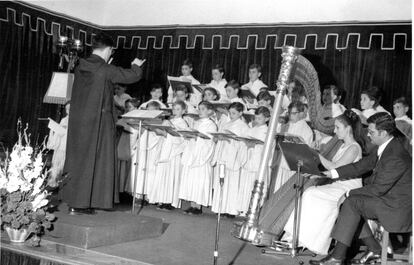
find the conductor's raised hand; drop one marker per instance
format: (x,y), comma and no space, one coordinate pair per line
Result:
(138,62)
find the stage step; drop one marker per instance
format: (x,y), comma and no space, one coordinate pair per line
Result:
(103,228)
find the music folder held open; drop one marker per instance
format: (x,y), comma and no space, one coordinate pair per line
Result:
(294,152)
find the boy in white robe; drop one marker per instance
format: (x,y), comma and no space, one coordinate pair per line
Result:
(197,174)
(296,126)
(119,99)
(250,169)
(400,109)
(254,84)
(218,82)
(57,143)
(186,69)
(181,94)
(156,95)
(126,145)
(149,150)
(168,165)
(233,155)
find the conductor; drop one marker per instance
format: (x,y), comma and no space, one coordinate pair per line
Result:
(90,155)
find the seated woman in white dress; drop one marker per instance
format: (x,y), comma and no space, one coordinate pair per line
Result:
(320,208)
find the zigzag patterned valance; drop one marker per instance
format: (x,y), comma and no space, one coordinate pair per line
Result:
(384,36)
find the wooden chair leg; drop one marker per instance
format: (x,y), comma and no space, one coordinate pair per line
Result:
(384,245)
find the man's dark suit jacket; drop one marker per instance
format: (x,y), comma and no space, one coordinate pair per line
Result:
(389,185)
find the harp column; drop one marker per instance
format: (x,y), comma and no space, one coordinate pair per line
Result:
(248,230)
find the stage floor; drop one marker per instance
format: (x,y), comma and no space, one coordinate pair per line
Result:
(186,240)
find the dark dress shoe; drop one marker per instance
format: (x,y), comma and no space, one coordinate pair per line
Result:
(369,257)
(328,260)
(79,211)
(189,210)
(196,211)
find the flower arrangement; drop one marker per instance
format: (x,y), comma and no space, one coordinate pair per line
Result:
(22,188)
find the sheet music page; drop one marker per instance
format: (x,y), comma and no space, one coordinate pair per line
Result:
(59,85)
(143,114)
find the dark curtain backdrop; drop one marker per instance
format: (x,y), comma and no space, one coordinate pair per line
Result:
(28,58)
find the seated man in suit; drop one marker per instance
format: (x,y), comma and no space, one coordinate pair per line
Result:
(385,197)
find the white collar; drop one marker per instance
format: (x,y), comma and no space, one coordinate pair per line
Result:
(404,118)
(382,147)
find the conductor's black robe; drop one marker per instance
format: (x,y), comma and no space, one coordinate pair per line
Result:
(90,154)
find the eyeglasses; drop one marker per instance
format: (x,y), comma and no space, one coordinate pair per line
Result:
(293,112)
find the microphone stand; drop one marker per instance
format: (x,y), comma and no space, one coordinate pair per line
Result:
(221,176)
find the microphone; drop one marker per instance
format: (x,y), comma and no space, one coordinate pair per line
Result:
(221,173)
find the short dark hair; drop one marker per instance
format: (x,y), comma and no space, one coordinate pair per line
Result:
(212,90)
(101,41)
(336,90)
(264,95)
(383,121)
(298,105)
(154,104)
(374,93)
(133,101)
(262,110)
(188,63)
(218,67)
(156,86)
(401,100)
(237,106)
(206,104)
(181,88)
(234,84)
(256,66)
(181,103)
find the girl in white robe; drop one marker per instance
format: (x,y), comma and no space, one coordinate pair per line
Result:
(233,154)
(296,126)
(370,99)
(149,151)
(197,172)
(254,155)
(168,169)
(218,82)
(320,208)
(57,143)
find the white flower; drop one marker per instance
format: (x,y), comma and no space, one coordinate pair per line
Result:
(36,186)
(25,186)
(39,201)
(13,185)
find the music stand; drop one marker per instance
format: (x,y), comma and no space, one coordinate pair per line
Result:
(140,116)
(302,159)
(60,90)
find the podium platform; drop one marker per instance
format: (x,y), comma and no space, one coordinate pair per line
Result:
(103,228)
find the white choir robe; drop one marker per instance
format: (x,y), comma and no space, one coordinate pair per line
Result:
(233,154)
(197,173)
(404,118)
(168,168)
(302,129)
(144,105)
(254,86)
(220,87)
(191,109)
(250,170)
(195,97)
(149,150)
